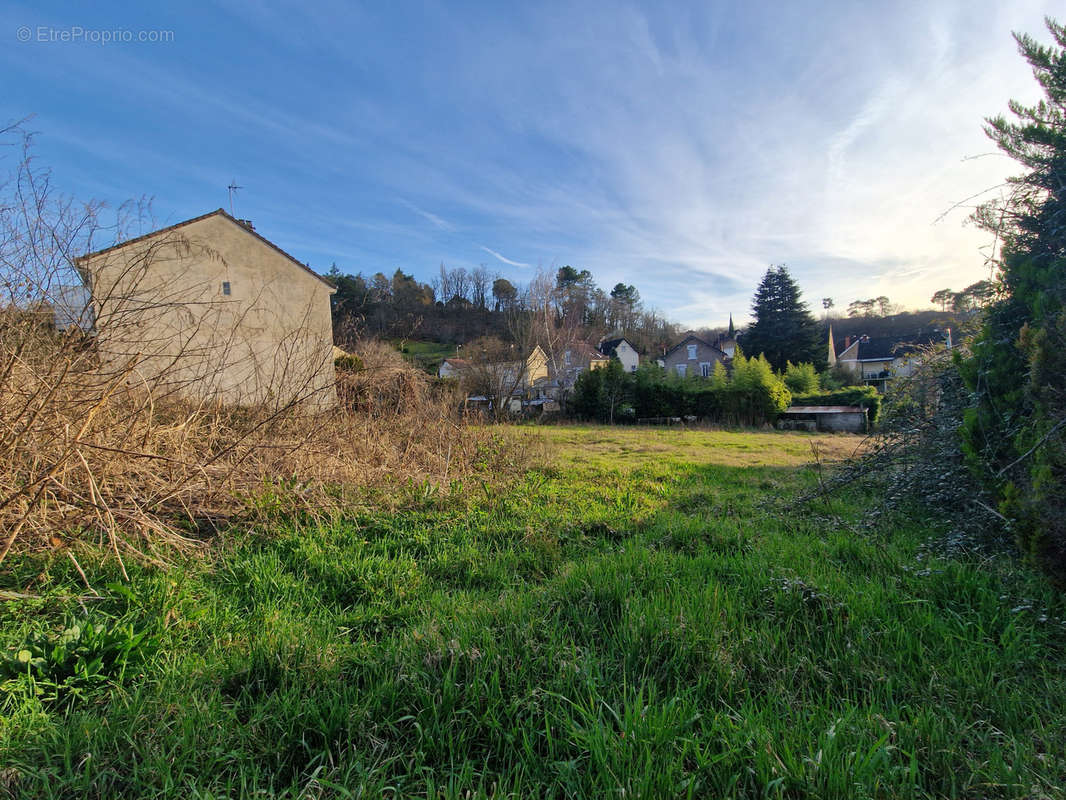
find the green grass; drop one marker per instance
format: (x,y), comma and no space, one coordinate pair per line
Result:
(649,614)
(426,355)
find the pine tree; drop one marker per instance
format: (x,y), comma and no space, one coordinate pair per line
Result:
(1014,436)
(784,329)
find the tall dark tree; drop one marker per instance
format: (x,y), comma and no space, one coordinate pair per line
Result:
(504,293)
(624,307)
(943,298)
(784,329)
(573,292)
(1015,436)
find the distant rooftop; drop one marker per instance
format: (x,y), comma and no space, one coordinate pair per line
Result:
(884,348)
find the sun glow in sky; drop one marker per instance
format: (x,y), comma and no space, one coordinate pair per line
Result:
(680,147)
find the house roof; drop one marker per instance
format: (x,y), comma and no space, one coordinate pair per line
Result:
(608,346)
(218,212)
(693,338)
(584,350)
(886,348)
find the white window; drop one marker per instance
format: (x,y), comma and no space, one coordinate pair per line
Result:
(692,352)
(681,370)
(566,358)
(705,369)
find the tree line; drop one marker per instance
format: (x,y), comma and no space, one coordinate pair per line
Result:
(461,306)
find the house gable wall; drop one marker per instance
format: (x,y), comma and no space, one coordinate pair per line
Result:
(627,355)
(208,310)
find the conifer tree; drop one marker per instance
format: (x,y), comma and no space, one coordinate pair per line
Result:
(784,329)
(1015,436)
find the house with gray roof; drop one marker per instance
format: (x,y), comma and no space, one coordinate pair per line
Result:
(875,361)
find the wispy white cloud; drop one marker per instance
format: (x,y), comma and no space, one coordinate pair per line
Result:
(690,170)
(440,223)
(502,258)
(683,151)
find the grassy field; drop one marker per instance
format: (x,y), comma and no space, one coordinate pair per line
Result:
(425,355)
(648,613)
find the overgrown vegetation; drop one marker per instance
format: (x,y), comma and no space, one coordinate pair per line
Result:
(978,438)
(633,618)
(100,449)
(913,462)
(975,436)
(1013,436)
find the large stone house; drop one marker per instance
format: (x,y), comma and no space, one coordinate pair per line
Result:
(210,310)
(692,356)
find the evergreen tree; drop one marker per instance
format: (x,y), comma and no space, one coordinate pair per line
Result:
(801,378)
(504,293)
(624,307)
(1014,436)
(784,329)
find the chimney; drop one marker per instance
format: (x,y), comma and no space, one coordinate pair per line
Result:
(247,223)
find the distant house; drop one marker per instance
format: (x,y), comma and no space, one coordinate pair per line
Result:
(727,344)
(534,369)
(505,384)
(623,350)
(876,361)
(452,367)
(577,357)
(566,367)
(210,310)
(692,356)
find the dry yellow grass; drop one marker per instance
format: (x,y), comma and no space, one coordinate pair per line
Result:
(86,453)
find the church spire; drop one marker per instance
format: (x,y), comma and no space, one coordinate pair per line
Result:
(732,330)
(832,349)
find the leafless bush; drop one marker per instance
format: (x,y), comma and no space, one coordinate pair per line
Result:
(101,437)
(913,458)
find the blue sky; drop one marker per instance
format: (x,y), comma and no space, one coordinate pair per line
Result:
(681,147)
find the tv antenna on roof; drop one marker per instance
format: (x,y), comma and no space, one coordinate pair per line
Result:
(232,188)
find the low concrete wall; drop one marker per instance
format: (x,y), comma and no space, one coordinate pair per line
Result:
(845,421)
(850,420)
